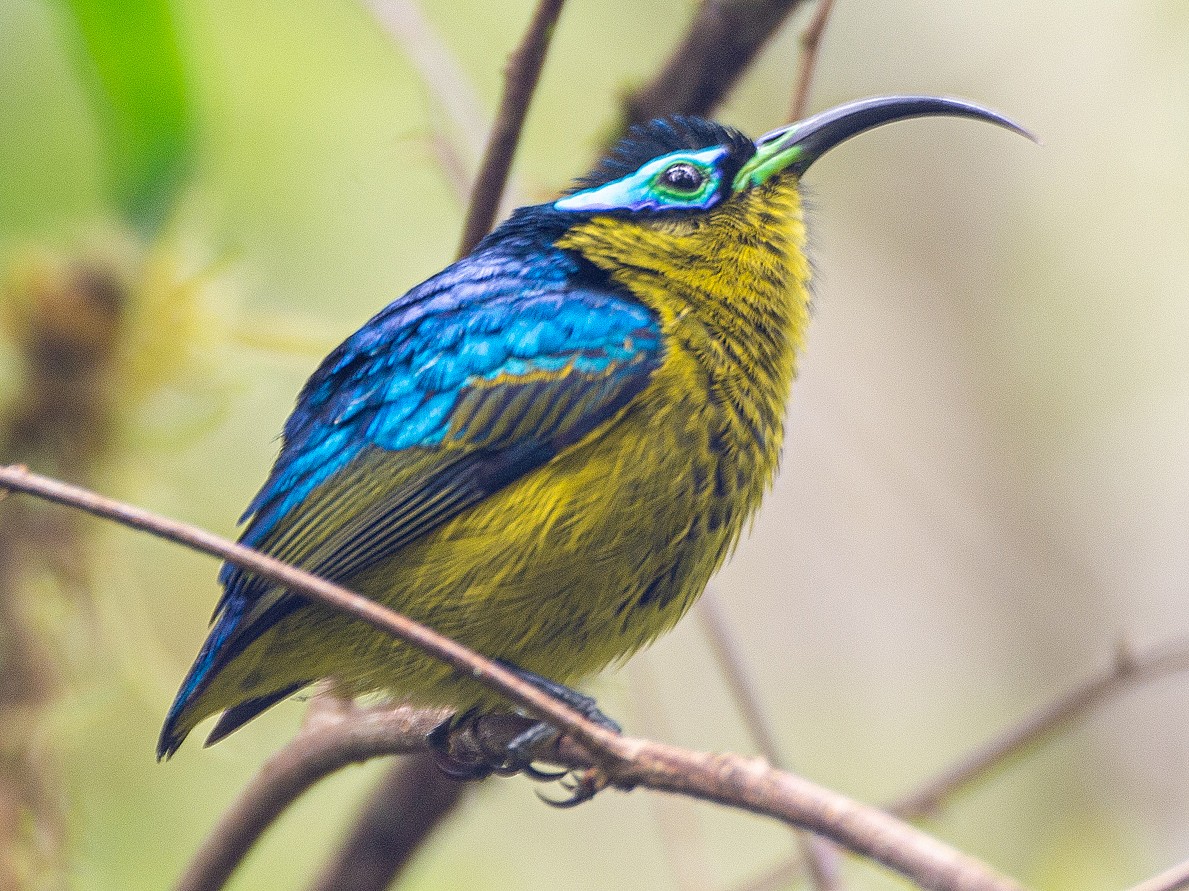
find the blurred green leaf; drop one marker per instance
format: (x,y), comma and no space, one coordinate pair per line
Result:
(131,53)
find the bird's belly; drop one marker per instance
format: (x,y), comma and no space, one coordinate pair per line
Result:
(577,564)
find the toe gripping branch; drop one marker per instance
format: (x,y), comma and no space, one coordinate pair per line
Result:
(473,746)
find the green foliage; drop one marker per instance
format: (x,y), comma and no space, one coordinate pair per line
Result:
(130,52)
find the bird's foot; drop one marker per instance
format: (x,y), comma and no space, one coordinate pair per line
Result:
(483,758)
(450,762)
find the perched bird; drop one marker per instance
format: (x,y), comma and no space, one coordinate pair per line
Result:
(545,450)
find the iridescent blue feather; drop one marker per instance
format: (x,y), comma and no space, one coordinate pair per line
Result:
(420,376)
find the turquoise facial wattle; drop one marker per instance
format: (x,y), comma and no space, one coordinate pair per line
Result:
(644,189)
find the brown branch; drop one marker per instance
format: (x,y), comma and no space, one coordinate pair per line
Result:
(820,858)
(1172,879)
(327,744)
(719,45)
(744,783)
(483,670)
(358,734)
(407,805)
(520,82)
(408,28)
(680,831)
(456,152)
(811,41)
(1127,670)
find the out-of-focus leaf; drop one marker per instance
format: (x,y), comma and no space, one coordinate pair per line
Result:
(131,53)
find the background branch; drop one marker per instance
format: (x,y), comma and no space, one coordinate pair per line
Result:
(328,743)
(811,41)
(1170,880)
(819,856)
(521,76)
(404,809)
(721,42)
(744,783)
(1127,671)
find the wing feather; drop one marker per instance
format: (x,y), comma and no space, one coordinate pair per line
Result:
(461,387)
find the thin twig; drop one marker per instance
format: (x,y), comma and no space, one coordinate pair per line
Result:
(520,82)
(1127,671)
(734,671)
(745,783)
(482,670)
(721,42)
(820,858)
(404,22)
(676,818)
(1172,879)
(811,41)
(457,152)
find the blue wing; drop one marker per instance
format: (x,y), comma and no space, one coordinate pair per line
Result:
(469,381)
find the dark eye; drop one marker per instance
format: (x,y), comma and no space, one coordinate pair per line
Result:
(683,178)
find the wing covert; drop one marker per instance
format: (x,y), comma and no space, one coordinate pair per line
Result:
(449,394)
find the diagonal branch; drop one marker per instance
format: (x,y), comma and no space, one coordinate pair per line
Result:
(408,804)
(820,858)
(324,746)
(521,76)
(721,42)
(811,42)
(1125,672)
(1172,879)
(745,783)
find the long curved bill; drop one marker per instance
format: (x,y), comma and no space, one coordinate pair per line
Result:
(795,147)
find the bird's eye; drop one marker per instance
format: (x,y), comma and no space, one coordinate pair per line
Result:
(683,178)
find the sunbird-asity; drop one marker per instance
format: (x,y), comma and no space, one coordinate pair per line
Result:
(545,450)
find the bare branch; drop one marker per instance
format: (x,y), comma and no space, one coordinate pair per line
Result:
(734,671)
(1172,879)
(407,26)
(481,669)
(521,76)
(745,783)
(820,858)
(325,745)
(811,41)
(457,152)
(681,837)
(1127,671)
(407,806)
(721,43)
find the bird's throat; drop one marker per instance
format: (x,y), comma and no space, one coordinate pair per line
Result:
(730,287)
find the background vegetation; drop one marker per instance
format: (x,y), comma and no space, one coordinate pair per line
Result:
(984,489)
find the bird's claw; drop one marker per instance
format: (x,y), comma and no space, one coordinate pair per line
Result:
(516,757)
(583,785)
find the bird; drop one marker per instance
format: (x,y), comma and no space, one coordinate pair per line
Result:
(545,450)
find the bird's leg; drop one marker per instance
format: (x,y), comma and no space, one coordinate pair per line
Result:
(579,702)
(517,753)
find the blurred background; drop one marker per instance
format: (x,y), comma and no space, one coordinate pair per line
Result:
(984,492)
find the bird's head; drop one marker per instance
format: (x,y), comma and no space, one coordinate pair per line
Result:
(685,190)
